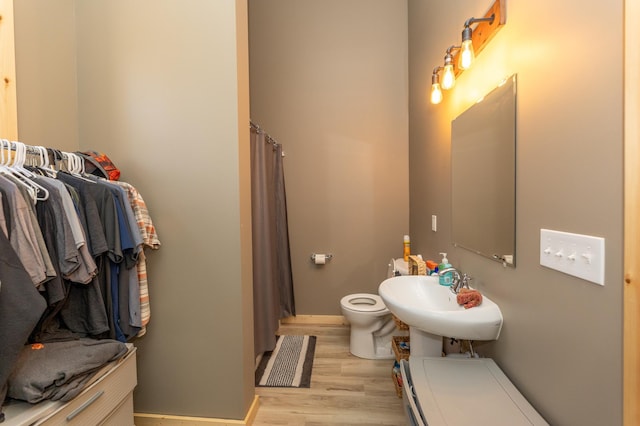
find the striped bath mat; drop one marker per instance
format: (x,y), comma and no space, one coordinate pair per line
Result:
(289,364)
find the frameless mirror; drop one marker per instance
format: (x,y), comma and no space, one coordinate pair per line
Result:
(483,175)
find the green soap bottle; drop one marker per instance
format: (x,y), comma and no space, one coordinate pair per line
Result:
(446,278)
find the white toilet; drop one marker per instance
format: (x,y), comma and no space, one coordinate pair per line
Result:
(372,325)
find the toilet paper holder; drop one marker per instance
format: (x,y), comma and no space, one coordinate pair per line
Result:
(327,257)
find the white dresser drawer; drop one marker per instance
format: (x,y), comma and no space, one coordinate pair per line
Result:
(96,403)
(123,415)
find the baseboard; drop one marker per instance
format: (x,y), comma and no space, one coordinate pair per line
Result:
(142,419)
(316,320)
(253,411)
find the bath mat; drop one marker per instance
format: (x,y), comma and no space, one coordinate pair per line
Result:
(289,365)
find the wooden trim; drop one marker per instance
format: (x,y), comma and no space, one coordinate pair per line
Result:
(8,102)
(485,31)
(142,419)
(315,320)
(631,338)
(253,411)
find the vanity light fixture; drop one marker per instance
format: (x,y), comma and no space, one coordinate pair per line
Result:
(436,91)
(449,74)
(467,54)
(473,41)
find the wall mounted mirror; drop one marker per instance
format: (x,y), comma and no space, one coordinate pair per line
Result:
(483,175)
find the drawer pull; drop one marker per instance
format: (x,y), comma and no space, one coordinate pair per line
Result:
(81,408)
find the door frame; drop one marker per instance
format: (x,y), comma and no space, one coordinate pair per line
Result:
(631,294)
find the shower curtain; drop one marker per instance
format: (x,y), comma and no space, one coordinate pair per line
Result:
(272,278)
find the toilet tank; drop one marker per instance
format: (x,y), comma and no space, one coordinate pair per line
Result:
(397,267)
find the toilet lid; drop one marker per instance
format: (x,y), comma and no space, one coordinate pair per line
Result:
(363,302)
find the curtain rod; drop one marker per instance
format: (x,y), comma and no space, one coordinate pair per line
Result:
(268,137)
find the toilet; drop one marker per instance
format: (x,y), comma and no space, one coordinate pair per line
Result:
(372,325)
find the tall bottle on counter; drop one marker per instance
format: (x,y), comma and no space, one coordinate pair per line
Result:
(407,248)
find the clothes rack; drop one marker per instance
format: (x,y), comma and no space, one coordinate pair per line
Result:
(73,262)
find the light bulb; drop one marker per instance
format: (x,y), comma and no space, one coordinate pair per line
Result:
(448,77)
(436,93)
(466,54)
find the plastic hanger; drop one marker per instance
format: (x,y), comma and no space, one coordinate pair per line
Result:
(27,176)
(5,146)
(38,161)
(44,165)
(74,165)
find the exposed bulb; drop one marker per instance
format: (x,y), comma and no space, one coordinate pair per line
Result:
(466,54)
(436,93)
(448,77)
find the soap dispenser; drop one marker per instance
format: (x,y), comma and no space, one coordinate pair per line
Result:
(447,277)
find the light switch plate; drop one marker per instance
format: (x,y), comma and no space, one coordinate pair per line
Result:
(579,255)
(434,222)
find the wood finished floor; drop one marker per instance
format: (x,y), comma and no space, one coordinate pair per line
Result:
(345,389)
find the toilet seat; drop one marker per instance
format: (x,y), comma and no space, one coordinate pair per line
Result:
(363,302)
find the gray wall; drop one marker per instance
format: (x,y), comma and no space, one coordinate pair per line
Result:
(561,343)
(162,87)
(329,82)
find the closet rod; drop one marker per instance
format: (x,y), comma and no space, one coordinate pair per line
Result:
(56,156)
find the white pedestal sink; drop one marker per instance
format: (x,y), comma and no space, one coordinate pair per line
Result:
(432,311)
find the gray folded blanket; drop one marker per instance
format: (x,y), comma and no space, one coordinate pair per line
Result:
(59,370)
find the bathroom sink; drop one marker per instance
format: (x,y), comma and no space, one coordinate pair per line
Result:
(422,303)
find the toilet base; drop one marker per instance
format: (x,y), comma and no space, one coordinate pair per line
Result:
(366,344)
(381,353)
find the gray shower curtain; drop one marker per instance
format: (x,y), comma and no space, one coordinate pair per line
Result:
(272,278)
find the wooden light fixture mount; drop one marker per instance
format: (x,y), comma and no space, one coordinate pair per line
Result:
(487,27)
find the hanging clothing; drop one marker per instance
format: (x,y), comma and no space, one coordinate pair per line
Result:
(149,239)
(122,291)
(83,249)
(72,274)
(22,234)
(20,309)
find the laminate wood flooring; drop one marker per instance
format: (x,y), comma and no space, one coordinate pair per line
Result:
(345,389)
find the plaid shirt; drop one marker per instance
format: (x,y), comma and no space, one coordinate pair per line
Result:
(149,239)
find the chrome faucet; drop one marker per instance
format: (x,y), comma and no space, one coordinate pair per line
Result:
(464,282)
(459,281)
(456,277)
